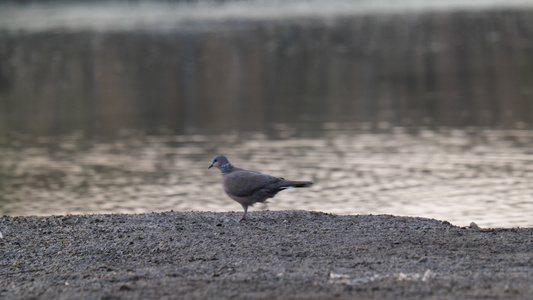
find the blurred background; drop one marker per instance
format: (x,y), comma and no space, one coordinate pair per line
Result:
(405,107)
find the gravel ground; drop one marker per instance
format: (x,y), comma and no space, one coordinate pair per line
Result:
(273,255)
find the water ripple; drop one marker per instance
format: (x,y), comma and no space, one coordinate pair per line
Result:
(455,175)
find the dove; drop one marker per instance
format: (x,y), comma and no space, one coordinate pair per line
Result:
(250,187)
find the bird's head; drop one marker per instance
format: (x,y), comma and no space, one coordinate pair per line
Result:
(219,161)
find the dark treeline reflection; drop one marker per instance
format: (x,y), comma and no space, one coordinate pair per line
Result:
(434,69)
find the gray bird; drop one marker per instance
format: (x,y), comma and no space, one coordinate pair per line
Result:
(249,187)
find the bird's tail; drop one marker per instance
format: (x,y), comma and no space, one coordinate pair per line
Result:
(297,184)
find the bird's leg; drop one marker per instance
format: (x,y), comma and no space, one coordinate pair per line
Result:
(244,213)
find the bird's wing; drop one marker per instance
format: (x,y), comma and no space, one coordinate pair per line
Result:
(245,183)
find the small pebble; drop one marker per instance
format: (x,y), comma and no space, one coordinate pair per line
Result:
(474,226)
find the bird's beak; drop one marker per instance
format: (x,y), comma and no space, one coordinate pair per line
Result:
(210,166)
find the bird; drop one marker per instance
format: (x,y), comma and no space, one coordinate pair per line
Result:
(250,187)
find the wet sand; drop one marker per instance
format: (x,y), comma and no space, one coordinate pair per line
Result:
(274,255)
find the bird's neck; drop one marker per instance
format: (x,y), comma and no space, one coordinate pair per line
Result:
(225,169)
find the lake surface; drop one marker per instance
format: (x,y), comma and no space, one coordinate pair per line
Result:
(463,176)
(419,110)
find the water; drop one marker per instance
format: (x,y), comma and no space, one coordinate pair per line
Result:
(461,176)
(418,110)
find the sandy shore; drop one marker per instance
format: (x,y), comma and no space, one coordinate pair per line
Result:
(274,255)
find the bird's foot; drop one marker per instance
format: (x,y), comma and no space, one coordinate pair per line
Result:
(244,213)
